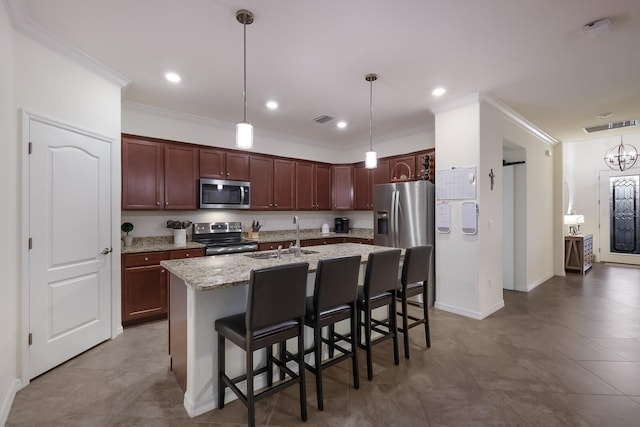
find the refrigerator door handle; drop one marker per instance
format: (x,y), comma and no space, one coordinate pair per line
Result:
(396,230)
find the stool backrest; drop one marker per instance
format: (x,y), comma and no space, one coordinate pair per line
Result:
(276,295)
(336,282)
(382,272)
(416,264)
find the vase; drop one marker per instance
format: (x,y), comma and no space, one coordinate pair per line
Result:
(128,241)
(180,237)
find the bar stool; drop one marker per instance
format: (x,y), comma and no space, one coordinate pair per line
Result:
(333,300)
(379,290)
(275,313)
(413,281)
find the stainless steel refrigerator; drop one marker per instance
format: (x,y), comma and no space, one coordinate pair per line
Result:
(404,216)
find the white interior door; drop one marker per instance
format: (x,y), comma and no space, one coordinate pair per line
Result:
(606,254)
(69,224)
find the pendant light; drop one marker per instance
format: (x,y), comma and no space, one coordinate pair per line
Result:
(371,158)
(621,157)
(244,130)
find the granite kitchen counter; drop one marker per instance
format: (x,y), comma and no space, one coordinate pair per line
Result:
(210,273)
(157,244)
(309,234)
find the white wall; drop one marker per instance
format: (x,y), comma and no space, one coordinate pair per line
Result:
(9,244)
(457,135)
(52,86)
(584,159)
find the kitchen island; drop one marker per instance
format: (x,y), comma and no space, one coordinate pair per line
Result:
(205,289)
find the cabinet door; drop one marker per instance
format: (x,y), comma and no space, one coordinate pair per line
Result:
(305,187)
(402,168)
(341,186)
(237,165)
(212,164)
(144,293)
(284,173)
(361,187)
(261,176)
(180,176)
(323,187)
(142,174)
(425,164)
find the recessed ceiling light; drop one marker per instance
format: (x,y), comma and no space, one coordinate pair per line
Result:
(172,77)
(272,105)
(439,91)
(341,124)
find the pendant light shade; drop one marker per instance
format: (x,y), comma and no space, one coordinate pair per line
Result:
(621,157)
(244,130)
(371,157)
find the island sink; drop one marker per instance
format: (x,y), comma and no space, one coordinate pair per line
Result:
(275,255)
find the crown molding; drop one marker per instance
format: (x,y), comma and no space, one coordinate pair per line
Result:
(18,12)
(516,118)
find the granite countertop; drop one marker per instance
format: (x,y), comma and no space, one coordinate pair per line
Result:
(215,272)
(309,234)
(157,244)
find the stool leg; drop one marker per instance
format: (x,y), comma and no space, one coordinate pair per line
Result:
(250,398)
(393,317)
(367,340)
(405,325)
(331,337)
(283,357)
(269,350)
(425,308)
(354,348)
(317,341)
(301,370)
(221,385)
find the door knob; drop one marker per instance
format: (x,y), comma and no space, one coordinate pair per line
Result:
(106,251)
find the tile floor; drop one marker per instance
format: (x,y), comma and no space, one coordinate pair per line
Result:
(565,354)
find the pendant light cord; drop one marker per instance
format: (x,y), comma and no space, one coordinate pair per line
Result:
(371,115)
(244,92)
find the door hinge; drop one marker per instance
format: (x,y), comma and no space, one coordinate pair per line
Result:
(30,338)
(30,243)
(30,147)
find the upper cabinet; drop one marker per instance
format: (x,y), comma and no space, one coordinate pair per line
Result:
(426,165)
(312,186)
(221,164)
(342,190)
(158,175)
(412,167)
(364,180)
(284,184)
(261,177)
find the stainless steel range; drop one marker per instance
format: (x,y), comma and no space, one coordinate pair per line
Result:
(222,238)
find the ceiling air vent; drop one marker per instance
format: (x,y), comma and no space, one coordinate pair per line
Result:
(323,119)
(614,125)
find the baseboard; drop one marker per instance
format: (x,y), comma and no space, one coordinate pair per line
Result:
(458,310)
(16,385)
(539,282)
(497,306)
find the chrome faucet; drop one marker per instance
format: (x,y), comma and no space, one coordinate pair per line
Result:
(296,221)
(279,253)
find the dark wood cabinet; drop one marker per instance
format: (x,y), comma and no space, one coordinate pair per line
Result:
(342,191)
(180,176)
(402,168)
(313,186)
(144,284)
(363,182)
(425,165)
(221,164)
(261,176)
(158,175)
(284,184)
(142,174)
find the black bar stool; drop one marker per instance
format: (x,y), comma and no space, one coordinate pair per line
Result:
(275,313)
(414,281)
(379,290)
(333,300)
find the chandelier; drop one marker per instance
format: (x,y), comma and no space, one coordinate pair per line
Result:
(621,157)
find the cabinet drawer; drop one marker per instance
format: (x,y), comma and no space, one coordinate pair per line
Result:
(144,259)
(186,253)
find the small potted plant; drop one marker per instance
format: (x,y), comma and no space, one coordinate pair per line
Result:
(179,231)
(127,227)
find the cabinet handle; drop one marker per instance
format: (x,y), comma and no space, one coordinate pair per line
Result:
(146,258)
(166,203)
(228,173)
(221,173)
(162,271)
(276,205)
(187,255)
(157,203)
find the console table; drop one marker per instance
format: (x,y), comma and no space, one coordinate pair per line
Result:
(578,252)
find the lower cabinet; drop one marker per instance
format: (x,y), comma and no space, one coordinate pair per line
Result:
(144,284)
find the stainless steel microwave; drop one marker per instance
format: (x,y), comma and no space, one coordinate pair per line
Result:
(224,194)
